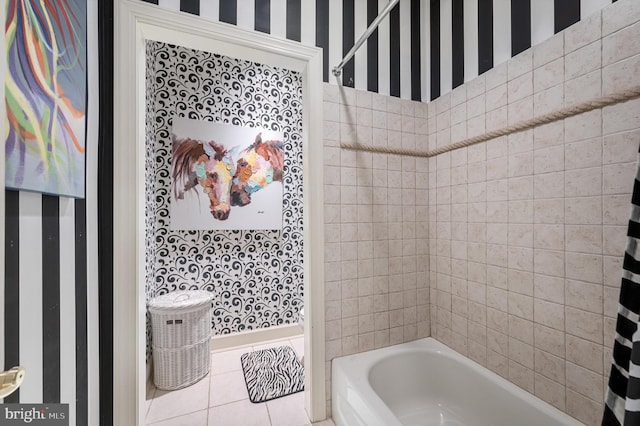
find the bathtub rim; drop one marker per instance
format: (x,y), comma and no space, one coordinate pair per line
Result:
(358,367)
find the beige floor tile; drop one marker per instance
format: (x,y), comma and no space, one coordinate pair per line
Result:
(327,422)
(226,388)
(298,345)
(288,410)
(227,361)
(240,413)
(270,344)
(199,418)
(151,391)
(168,404)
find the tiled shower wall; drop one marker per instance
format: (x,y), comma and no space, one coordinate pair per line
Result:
(527,231)
(376,231)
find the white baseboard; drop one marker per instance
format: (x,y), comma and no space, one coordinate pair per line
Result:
(245,338)
(248,338)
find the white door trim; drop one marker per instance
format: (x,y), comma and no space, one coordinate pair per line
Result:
(137,22)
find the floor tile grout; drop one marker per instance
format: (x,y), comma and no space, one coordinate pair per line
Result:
(210,377)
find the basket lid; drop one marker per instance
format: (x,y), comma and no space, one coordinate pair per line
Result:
(181,299)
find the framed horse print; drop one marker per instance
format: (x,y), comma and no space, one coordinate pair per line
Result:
(225,176)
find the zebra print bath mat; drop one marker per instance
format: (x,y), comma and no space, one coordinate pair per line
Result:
(272,373)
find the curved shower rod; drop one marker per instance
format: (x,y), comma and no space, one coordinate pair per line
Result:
(337,70)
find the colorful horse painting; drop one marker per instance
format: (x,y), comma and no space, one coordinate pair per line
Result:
(205,163)
(226,178)
(257,166)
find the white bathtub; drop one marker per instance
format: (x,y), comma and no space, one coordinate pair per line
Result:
(426,383)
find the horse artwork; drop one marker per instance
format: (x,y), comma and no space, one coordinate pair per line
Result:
(238,170)
(257,166)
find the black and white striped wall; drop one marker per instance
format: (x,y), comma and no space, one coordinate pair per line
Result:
(50,295)
(423,49)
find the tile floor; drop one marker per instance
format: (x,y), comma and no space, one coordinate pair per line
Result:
(221,399)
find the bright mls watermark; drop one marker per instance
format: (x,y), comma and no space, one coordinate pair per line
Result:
(34,414)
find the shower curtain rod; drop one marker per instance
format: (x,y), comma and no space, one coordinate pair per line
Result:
(337,70)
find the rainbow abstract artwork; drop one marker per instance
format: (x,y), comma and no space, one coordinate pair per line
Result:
(46,96)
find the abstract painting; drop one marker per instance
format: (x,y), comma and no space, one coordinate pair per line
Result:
(46,96)
(225,176)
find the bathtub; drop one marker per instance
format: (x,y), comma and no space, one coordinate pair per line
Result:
(426,383)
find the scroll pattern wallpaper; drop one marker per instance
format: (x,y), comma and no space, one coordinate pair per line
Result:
(255,276)
(150,178)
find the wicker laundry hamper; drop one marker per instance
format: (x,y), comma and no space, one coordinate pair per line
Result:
(181,327)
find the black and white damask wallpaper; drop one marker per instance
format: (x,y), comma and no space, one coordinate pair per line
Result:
(150,205)
(255,276)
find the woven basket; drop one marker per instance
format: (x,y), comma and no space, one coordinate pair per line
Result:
(181,327)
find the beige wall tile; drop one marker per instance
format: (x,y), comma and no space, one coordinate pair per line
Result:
(520,110)
(585,296)
(614,240)
(618,16)
(548,75)
(549,366)
(583,239)
(620,117)
(549,236)
(549,391)
(583,182)
(548,210)
(554,185)
(549,262)
(621,148)
(584,267)
(520,64)
(583,32)
(582,61)
(584,211)
(584,324)
(497,320)
(618,76)
(548,50)
(549,288)
(495,98)
(548,135)
(583,88)
(549,340)
(585,354)
(621,44)
(521,376)
(551,159)
(583,126)
(520,305)
(549,100)
(584,381)
(584,409)
(549,314)
(618,178)
(521,353)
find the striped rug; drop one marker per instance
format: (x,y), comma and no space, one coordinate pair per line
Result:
(272,373)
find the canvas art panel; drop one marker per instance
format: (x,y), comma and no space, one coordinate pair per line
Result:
(225,177)
(45,96)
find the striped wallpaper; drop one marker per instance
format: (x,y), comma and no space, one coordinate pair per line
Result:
(50,304)
(423,49)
